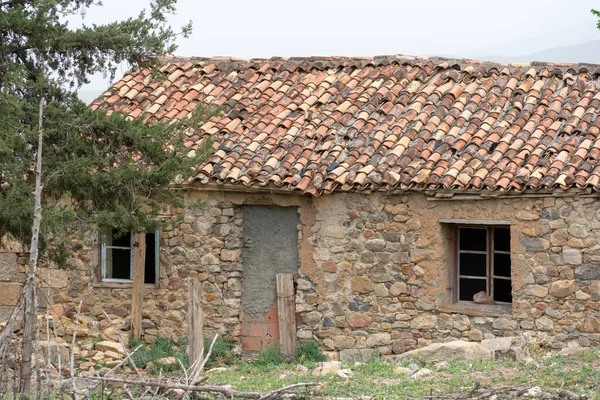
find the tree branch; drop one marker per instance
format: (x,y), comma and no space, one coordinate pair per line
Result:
(224,390)
(13,2)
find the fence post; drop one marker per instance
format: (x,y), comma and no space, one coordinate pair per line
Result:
(137,300)
(286,312)
(195,320)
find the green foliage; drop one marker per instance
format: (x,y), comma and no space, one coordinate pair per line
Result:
(153,352)
(377,379)
(97,340)
(36,40)
(222,352)
(309,351)
(100,171)
(597,14)
(270,356)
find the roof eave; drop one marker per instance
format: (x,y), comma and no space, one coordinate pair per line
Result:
(438,194)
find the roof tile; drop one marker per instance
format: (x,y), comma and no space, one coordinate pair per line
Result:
(321,124)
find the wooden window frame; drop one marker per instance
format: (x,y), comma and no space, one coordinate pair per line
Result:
(489,252)
(102,250)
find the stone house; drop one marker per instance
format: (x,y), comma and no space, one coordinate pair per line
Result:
(398,190)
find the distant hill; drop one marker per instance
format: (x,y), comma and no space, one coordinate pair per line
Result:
(588,52)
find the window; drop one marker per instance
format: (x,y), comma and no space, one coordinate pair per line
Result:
(483,263)
(117,257)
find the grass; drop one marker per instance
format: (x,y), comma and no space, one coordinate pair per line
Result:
(271,356)
(156,351)
(377,379)
(309,351)
(96,340)
(579,373)
(222,352)
(268,370)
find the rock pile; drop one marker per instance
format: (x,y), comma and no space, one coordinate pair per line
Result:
(98,345)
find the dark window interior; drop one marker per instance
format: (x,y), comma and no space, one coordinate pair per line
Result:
(150,270)
(502,290)
(121,258)
(121,239)
(484,263)
(473,239)
(502,239)
(468,287)
(473,264)
(502,264)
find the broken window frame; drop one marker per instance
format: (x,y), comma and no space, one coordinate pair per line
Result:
(103,258)
(489,264)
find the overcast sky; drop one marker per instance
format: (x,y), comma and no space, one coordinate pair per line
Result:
(458,28)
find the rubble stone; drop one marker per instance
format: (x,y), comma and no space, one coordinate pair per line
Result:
(562,288)
(455,351)
(107,345)
(326,368)
(376,272)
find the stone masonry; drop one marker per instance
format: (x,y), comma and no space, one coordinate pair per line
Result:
(376,270)
(13,263)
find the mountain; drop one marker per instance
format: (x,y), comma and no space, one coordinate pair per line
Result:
(588,52)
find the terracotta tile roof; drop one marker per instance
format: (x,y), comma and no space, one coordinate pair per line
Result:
(316,125)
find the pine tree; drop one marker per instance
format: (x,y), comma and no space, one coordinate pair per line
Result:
(98,171)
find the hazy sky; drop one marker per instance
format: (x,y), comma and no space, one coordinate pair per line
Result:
(458,28)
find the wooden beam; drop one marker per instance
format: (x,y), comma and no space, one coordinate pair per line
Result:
(195,320)
(486,222)
(137,299)
(286,312)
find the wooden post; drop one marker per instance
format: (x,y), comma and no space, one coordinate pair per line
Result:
(137,300)
(195,321)
(286,312)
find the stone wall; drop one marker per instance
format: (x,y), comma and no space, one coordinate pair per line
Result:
(387,272)
(13,262)
(375,270)
(198,242)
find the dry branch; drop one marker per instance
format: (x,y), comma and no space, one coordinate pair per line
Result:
(111,371)
(223,390)
(6,344)
(197,369)
(30,318)
(72,360)
(508,392)
(127,355)
(58,358)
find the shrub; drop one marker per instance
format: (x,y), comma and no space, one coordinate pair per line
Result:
(96,340)
(270,356)
(309,351)
(160,348)
(222,352)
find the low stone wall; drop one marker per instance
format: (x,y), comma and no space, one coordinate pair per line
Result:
(375,270)
(12,276)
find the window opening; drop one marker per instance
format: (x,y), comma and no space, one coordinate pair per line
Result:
(117,257)
(484,263)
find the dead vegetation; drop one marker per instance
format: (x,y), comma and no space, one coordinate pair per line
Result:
(58,374)
(65,374)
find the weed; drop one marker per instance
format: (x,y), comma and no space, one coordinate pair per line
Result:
(309,351)
(157,350)
(222,352)
(270,356)
(96,340)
